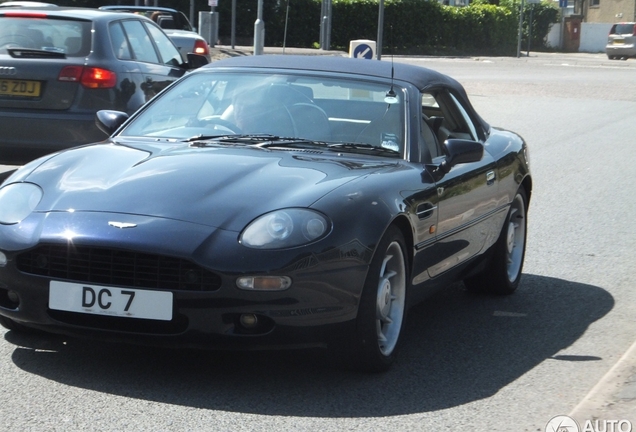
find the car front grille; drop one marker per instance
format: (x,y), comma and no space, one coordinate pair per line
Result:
(114,267)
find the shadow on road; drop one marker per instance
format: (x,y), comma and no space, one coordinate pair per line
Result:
(458,348)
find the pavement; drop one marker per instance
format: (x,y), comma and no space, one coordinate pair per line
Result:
(614,396)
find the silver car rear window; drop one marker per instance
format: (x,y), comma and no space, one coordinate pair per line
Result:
(71,37)
(623,29)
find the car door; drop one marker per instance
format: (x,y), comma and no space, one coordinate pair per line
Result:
(467,195)
(157,59)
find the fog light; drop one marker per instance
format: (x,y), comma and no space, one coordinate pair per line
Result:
(13,297)
(264,283)
(3,259)
(248,320)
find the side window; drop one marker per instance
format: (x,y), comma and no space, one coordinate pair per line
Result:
(139,39)
(443,117)
(169,53)
(119,42)
(467,118)
(431,121)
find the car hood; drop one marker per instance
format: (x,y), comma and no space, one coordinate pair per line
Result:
(224,187)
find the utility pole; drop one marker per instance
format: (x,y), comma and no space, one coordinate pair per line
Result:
(378,47)
(520,29)
(325,25)
(259,30)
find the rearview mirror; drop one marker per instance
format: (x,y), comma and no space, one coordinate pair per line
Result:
(459,151)
(109,121)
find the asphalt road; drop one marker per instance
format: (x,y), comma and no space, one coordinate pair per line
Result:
(469,362)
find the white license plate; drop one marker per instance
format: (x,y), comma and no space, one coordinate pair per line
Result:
(103,300)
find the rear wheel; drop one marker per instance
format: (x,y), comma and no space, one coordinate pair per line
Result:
(503,273)
(382,306)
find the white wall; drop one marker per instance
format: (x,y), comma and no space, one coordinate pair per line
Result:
(553,40)
(593,37)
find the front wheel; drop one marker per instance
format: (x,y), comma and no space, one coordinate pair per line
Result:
(503,273)
(382,308)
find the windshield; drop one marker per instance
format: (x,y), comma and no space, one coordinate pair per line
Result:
(332,110)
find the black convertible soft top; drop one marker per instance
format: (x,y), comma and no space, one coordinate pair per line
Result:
(420,77)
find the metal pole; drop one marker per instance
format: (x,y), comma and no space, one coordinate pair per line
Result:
(285,32)
(233,30)
(562,28)
(214,31)
(380,30)
(530,29)
(329,20)
(191,12)
(323,30)
(520,29)
(259,30)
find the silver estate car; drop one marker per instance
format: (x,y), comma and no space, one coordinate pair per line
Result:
(621,42)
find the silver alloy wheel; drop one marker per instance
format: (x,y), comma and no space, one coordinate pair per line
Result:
(390,300)
(515,238)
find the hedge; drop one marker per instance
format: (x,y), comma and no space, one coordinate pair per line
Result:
(410,26)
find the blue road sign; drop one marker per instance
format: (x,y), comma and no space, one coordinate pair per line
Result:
(563,3)
(363,51)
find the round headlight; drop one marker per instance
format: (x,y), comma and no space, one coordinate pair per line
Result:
(17,201)
(279,225)
(284,229)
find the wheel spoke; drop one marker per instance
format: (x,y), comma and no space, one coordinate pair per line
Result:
(384,263)
(389,274)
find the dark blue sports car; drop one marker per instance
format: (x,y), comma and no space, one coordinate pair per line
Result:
(268,202)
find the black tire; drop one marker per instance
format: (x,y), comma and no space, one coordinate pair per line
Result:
(503,273)
(382,309)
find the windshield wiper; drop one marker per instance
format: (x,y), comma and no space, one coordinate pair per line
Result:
(273,141)
(35,53)
(233,139)
(364,148)
(255,140)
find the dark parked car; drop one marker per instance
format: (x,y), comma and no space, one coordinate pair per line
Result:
(60,66)
(268,201)
(174,23)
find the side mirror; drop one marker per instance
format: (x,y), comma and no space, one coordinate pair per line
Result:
(195,61)
(459,151)
(109,121)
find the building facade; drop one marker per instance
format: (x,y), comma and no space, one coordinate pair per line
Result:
(606,11)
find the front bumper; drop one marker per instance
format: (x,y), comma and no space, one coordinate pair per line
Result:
(320,305)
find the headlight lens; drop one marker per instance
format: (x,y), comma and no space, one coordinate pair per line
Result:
(17,201)
(284,229)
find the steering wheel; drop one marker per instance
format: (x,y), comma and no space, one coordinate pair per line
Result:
(214,121)
(17,41)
